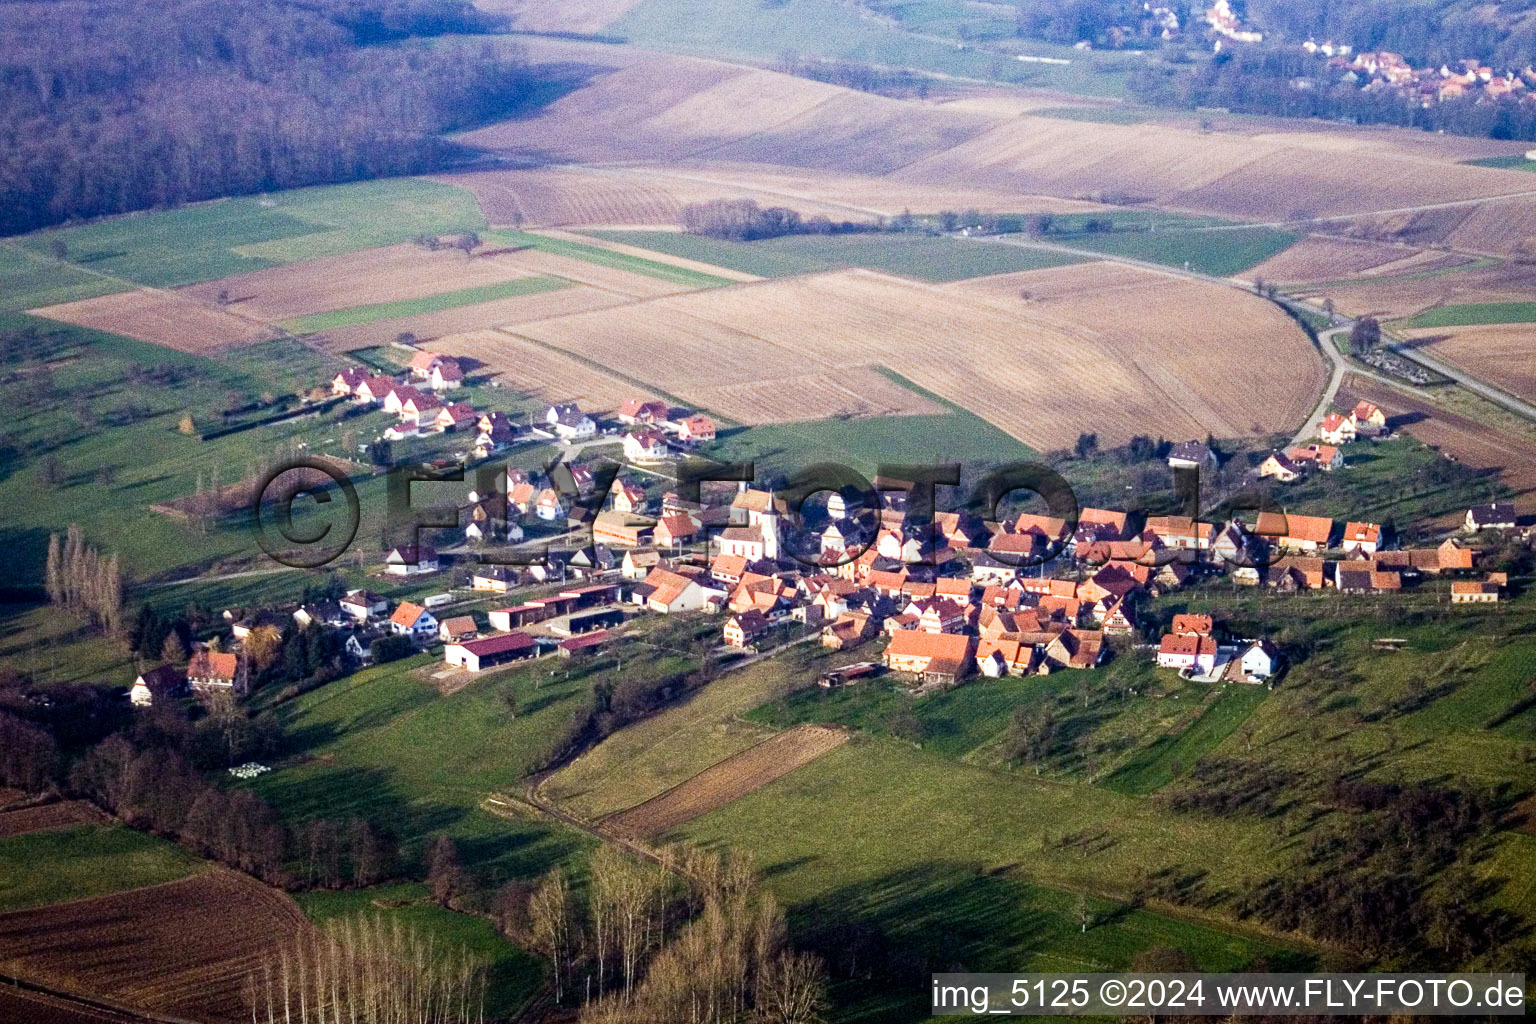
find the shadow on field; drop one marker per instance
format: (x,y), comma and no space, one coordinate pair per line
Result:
(882,938)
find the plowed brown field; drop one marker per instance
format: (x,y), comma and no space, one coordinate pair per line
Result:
(537,371)
(1472,443)
(1504,355)
(56,815)
(665,109)
(1326,259)
(481,316)
(1397,297)
(362,278)
(731,779)
(182,949)
(162,318)
(1118,362)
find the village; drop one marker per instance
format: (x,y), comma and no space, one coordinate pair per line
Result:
(945,597)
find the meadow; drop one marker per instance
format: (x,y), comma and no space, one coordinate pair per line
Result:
(167,248)
(818,28)
(1471,313)
(923,257)
(608,258)
(428,304)
(1218,252)
(81,861)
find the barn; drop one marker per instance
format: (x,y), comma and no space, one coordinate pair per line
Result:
(477,655)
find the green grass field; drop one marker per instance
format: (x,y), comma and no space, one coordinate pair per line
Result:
(822,28)
(1170,756)
(513,976)
(1220,253)
(866,443)
(427,304)
(1518,163)
(215,239)
(924,257)
(1473,313)
(746,257)
(38,868)
(1097,115)
(609,258)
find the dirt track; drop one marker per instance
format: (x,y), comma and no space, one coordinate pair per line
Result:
(731,779)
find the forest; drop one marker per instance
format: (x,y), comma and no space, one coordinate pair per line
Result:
(107,108)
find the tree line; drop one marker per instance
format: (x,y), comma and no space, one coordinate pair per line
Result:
(691,939)
(742,220)
(78,579)
(365,970)
(148,103)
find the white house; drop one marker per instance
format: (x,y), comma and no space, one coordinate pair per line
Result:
(569,422)
(363,605)
(411,560)
(1260,660)
(1190,652)
(645,446)
(414,621)
(164,682)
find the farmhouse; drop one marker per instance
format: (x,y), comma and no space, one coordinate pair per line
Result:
(363,605)
(1190,652)
(850,629)
(1366,580)
(635,411)
(696,429)
(411,560)
(478,655)
(1362,537)
(673,592)
(460,627)
(414,621)
(932,657)
(1336,429)
(1474,592)
(1324,456)
(645,446)
(346,382)
(744,628)
(1073,649)
(622,531)
(1308,534)
(1181,533)
(1368,419)
(1279,466)
(210,671)
(569,423)
(1191,455)
(1495,516)
(164,683)
(1298,572)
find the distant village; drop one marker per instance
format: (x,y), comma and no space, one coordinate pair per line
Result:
(935,601)
(1376,72)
